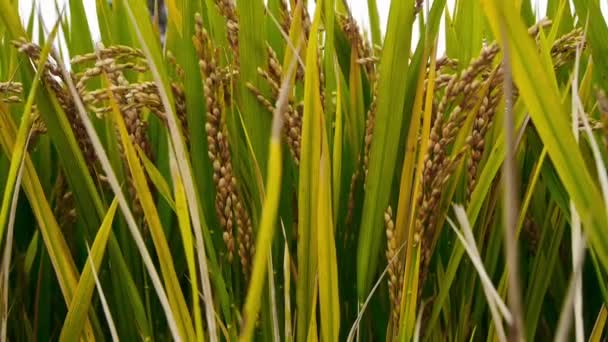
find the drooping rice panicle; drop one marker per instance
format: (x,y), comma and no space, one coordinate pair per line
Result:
(228,203)
(52,76)
(395,271)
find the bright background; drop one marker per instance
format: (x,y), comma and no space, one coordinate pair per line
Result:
(359,8)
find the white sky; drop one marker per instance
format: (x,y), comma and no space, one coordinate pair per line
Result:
(359,8)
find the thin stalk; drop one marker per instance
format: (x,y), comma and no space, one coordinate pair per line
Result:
(563,326)
(511,205)
(104,302)
(6,258)
(576,227)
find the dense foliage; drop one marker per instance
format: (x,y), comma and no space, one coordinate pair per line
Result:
(259,171)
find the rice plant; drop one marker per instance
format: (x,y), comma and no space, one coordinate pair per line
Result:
(257,170)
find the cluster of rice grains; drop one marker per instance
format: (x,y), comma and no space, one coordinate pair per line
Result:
(229,205)
(10,92)
(131,98)
(292,129)
(273,74)
(227,9)
(459,98)
(395,269)
(477,91)
(179,96)
(53,78)
(286,17)
(564,49)
(360,46)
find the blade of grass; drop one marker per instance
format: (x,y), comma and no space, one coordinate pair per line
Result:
(272,293)
(329,65)
(102,297)
(409,189)
(8,248)
(387,130)
(181,209)
(329,296)
(589,12)
(374,22)
(287,294)
(79,32)
(412,173)
(252,48)
(563,325)
(156,177)
(418,325)
(75,318)
(337,156)
(598,327)
(576,228)
(510,182)
(308,188)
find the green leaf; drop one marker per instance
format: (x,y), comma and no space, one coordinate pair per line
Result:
(80,33)
(156,177)
(329,296)
(252,49)
(77,312)
(590,16)
(384,147)
(183,218)
(308,187)
(374,21)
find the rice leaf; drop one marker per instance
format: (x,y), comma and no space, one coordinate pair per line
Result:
(75,318)
(308,188)
(387,129)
